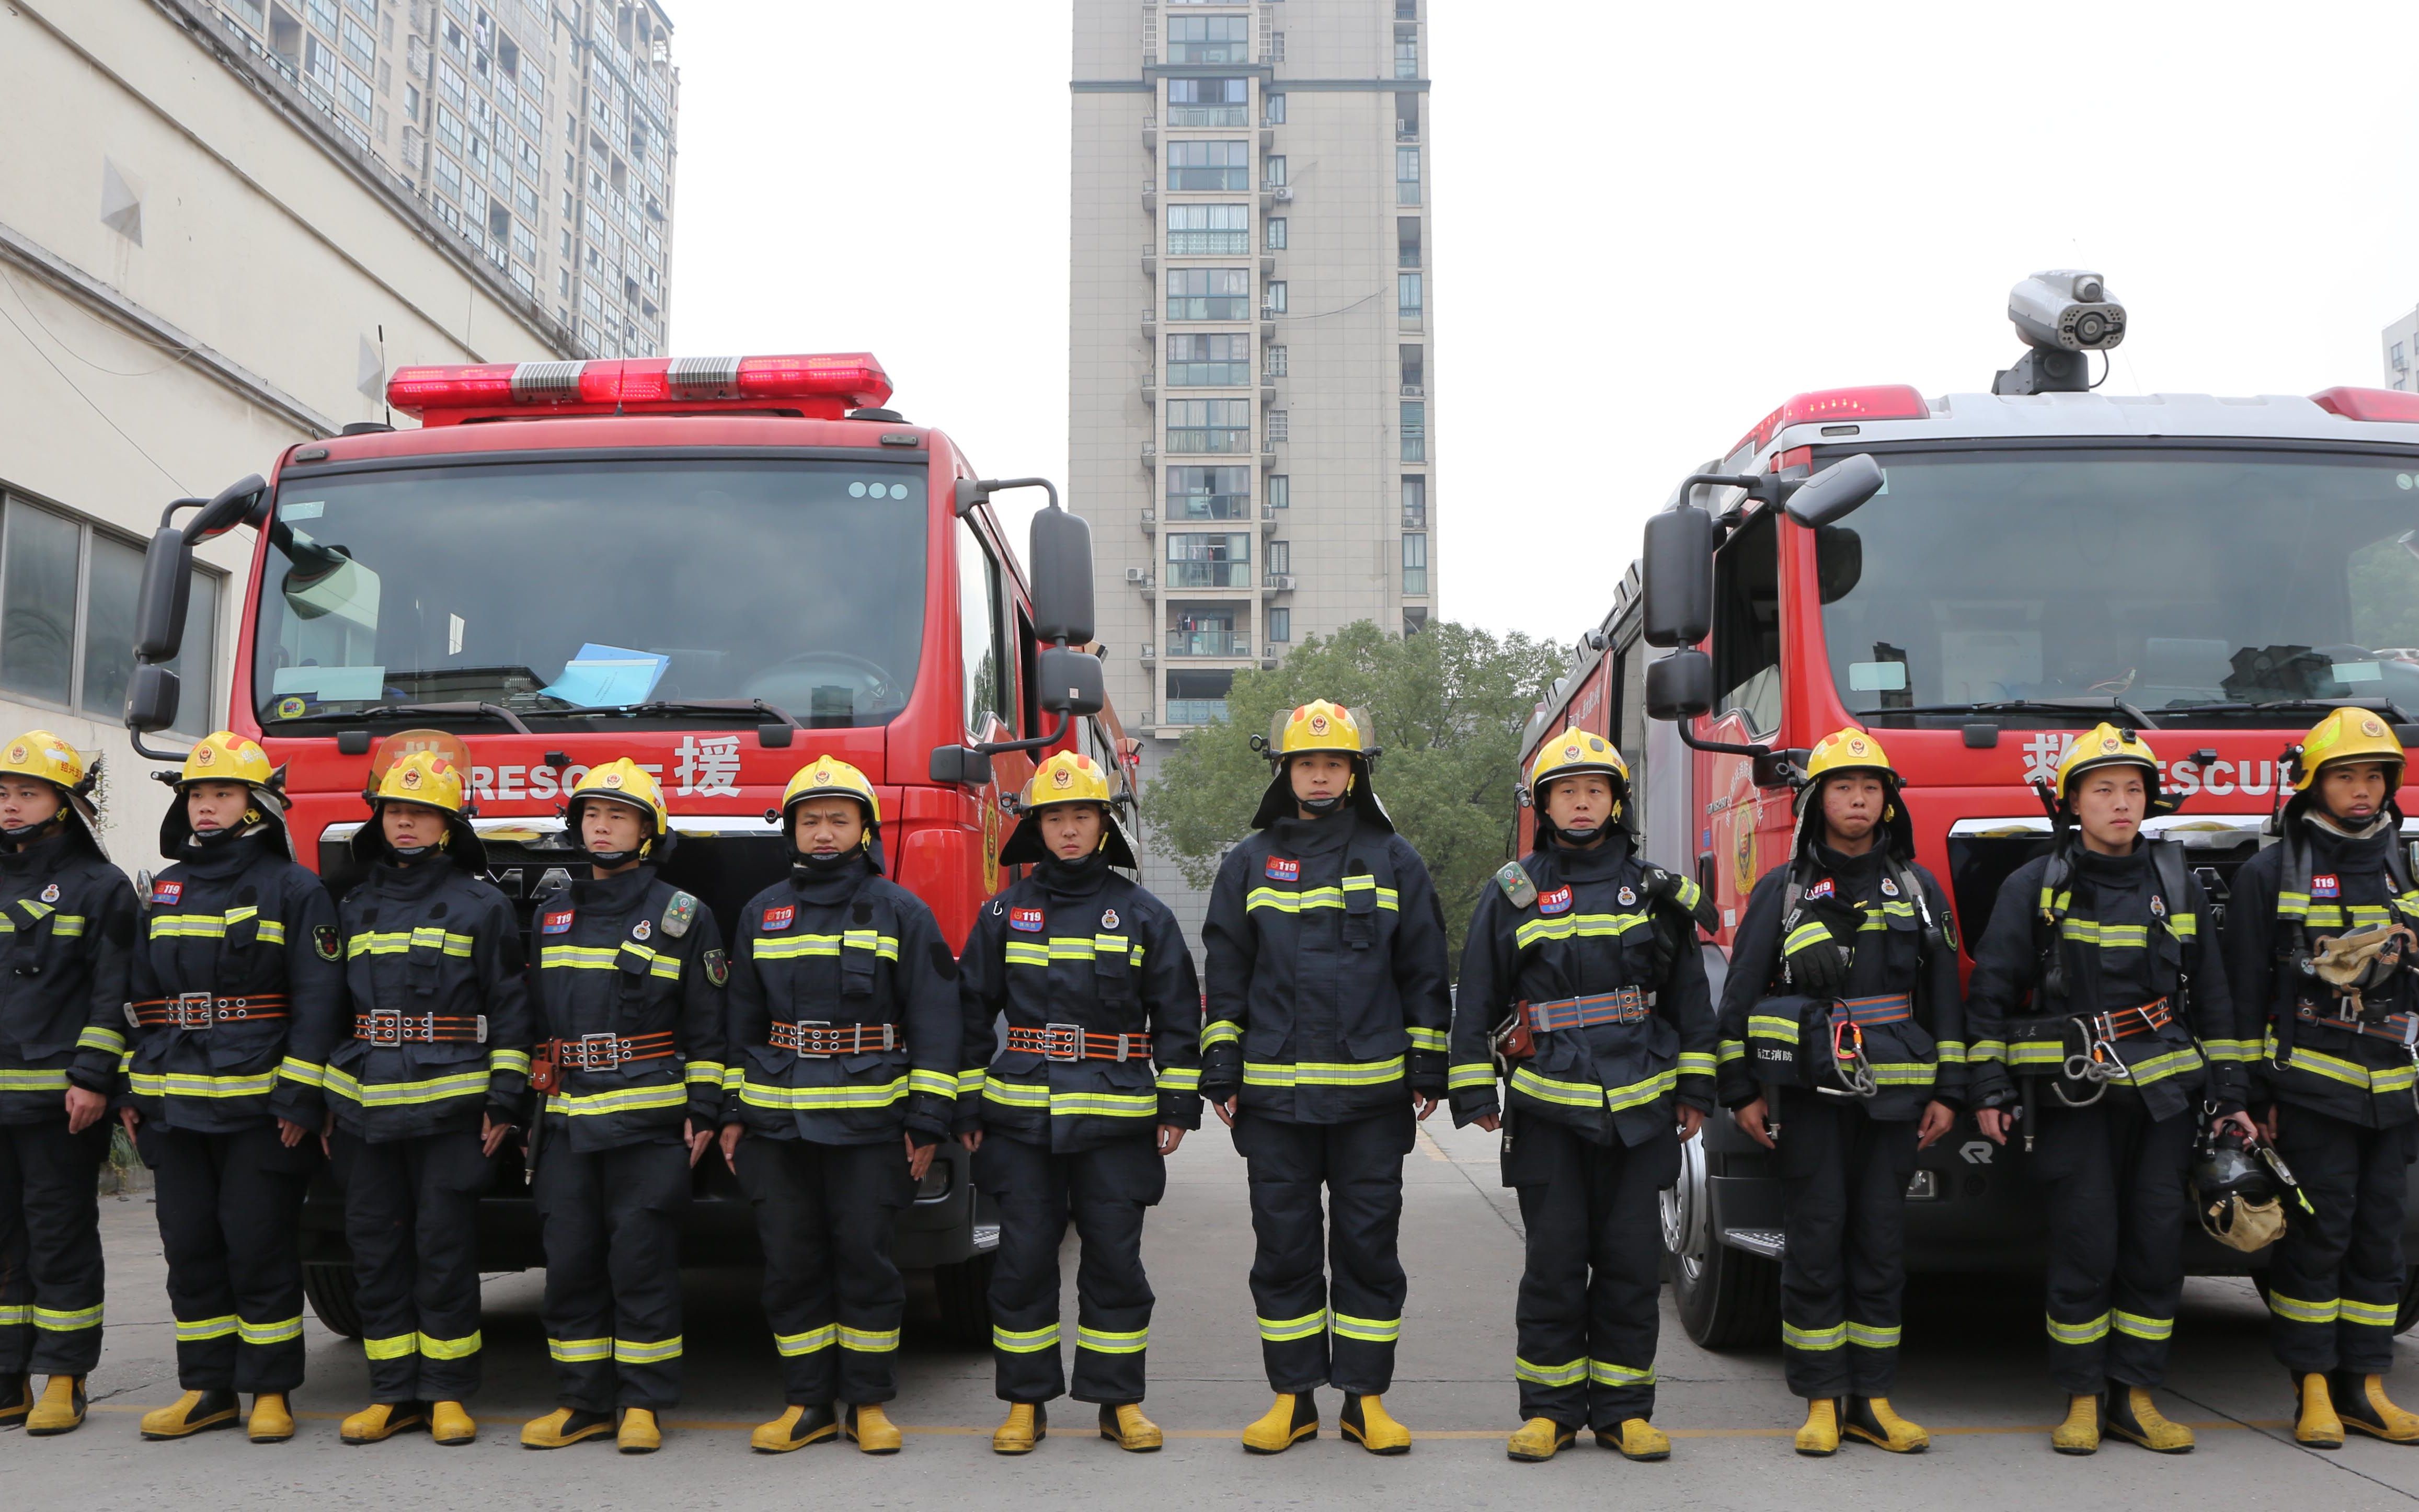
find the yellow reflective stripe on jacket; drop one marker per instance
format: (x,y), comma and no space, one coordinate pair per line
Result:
(1730,1050)
(93,1037)
(1104,1341)
(397,942)
(646,1351)
(710,1072)
(757,1094)
(1322,1072)
(1433,1039)
(1591,1095)
(212,926)
(1950,1052)
(1567,1374)
(1071,1105)
(2083,1333)
(793,1345)
(1606,1373)
(1471,1073)
(932,1083)
(304,1072)
(1771,1026)
(1986,1052)
(57,1321)
(1220,1032)
(1072,948)
(191,1084)
(970,1083)
(2230,1050)
(1180,1079)
(604,958)
(1696,1063)
(406,1094)
(512,1060)
(1286,1329)
(621,1099)
(1817,1339)
(1578,926)
(1283,901)
(32,1081)
(2397,1078)
(579,1351)
(1024,1341)
(794,946)
(2159,1068)
(2106,936)
(868,1340)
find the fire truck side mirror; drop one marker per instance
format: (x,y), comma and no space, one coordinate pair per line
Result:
(1679,561)
(151,697)
(1680,687)
(1835,492)
(1070,683)
(1061,559)
(960,766)
(160,603)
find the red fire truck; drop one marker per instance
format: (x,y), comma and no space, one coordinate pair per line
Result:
(2019,565)
(722,567)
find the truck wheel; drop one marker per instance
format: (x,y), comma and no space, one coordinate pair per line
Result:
(1727,1298)
(963,1292)
(335,1297)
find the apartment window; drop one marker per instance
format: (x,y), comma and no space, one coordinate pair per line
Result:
(322,14)
(1210,165)
(1279,626)
(1272,110)
(1206,361)
(1198,696)
(320,62)
(1280,558)
(411,100)
(1273,171)
(1409,299)
(251,10)
(67,595)
(1415,562)
(1206,39)
(1407,242)
(1407,116)
(1407,10)
(1209,230)
(1415,430)
(2397,356)
(1208,426)
(357,93)
(1406,52)
(1280,426)
(449,82)
(1209,101)
(1415,620)
(1272,360)
(1407,175)
(359,44)
(1208,631)
(1415,502)
(1208,493)
(1280,491)
(1195,560)
(1273,301)
(449,176)
(1275,238)
(1415,369)
(1209,294)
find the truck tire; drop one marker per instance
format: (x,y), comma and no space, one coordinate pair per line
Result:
(1727,1299)
(963,1292)
(334,1296)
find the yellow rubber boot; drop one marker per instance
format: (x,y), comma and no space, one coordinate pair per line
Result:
(564,1427)
(639,1433)
(2080,1433)
(189,1415)
(2133,1416)
(1026,1424)
(1366,1421)
(1819,1438)
(1538,1438)
(2360,1401)
(1291,1418)
(795,1429)
(872,1429)
(2315,1424)
(62,1408)
(271,1420)
(1637,1439)
(16,1399)
(380,1422)
(1870,1418)
(1125,1427)
(450,1424)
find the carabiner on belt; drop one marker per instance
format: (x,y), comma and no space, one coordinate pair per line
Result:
(2095,1065)
(1848,1060)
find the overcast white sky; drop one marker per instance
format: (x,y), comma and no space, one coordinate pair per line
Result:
(1651,223)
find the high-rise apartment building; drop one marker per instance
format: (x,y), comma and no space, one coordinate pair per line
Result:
(1250,388)
(540,132)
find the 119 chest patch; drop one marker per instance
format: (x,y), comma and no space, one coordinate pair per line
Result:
(556,923)
(1556,902)
(1028,919)
(2328,885)
(777,920)
(1280,870)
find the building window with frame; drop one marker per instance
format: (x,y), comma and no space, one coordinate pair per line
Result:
(1406,52)
(1209,230)
(1272,110)
(1411,298)
(1209,294)
(1198,560)
(1415,370)
(1196,425)
(1273,301)
(1208,361)
(1208,493)
(1407,175)
(68,602)
(1207,40)
(1273,171)
(1407,116)
(1209,101)
(1198,695)
(1416,563)
(1415,430)
(1280,491)
(1210,165)
(1416,619)
(1407,242)
(1273,360)
(1280,558)
(1279,626)
(1415,502)
(1275,238)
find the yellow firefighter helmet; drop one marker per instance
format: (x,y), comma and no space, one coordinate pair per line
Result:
(1573,752)
(422,776)
(1068,776)
(2348,735)
(829,777)
(2105,745)
(624,782)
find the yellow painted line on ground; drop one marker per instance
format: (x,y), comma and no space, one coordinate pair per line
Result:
(1435,1150)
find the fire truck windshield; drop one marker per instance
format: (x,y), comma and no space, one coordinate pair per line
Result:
(2196,582)
(546,587)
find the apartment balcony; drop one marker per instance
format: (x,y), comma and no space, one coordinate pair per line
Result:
(1151,196)
(1268,136)
(1149,456)
(1150,264)
(1268,388)
(1228,644)
(1267,264)
(1270,452)
(1149,520)
(1150,322)
(1149,654)
(1151,133)
(1150,388)
(1268,521)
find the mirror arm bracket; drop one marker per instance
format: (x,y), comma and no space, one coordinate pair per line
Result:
(1688,729)
(1040,742)
(156,754)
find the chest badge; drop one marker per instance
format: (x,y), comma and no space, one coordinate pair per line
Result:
(2328,885)
(1822,889)
(168,893)
(1280,870)
(2158,906)
(1028,919)
(1108,918)
(777,920)
(1559,902)
(51,893)
(559,923)
(640,929)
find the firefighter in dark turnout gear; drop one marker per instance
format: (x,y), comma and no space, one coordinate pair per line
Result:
(1097,985)
(238,996)
(424,1091)
(847,1050)
(2318,939)
(1325,1037)
(1842,1023)
(630,1009)
(2095,988)
(1583,967)
(66,934)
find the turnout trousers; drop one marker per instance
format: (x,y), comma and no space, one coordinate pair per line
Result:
(411,1218)
(2113,1179)
(1591,1291)
(2335,1280)
(828,1216)
(1329,1288)
(49,1247)
(230,1211)
(1843,1210)
(1105,1190)
(612,1309)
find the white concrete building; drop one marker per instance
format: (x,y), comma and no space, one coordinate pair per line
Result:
(197,269)
(2401,346)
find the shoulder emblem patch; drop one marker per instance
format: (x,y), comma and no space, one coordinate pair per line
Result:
(329,944)
(1518,886)
(557,924)
(168,893)
(777,920)
(717,967)
(1557,901)
(1280,870)
(679,915)
(1028,919)
(2328,885)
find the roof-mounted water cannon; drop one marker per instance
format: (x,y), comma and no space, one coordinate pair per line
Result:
(2061,315)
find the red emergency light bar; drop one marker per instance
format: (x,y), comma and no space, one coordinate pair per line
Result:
(1880,401)
(2369,404)
(821,387)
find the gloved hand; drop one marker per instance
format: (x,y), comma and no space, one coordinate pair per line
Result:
(1818,964)
(1680,892)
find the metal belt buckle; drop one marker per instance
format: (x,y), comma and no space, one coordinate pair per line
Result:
(889,1037)
(593,1046)
(483,1029)
(386,1025)
(812,1031)
(191,1011)
(1124,1040)
(1069,1035)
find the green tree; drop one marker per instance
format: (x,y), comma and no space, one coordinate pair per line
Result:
(1448,705)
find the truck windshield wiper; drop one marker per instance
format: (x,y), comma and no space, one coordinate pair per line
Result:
(397,711)
(2376,705)
(751,709)
(2077,706)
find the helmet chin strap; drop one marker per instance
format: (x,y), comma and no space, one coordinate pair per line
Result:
(28,834)
(814,865)
(1323,807)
